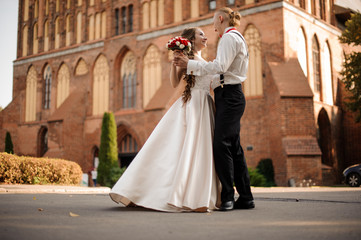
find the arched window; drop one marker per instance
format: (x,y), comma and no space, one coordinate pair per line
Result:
(36,10)
(47,87)
(160,12)
(91,27)
(253,85)
(127,145)
(316,69)
(327,77)
(63,84)
(301,50)
(322,9)
(46,7)
(57,33)
(100,86)
(81,68)
(57,6)
(194,8)
(104,25)
(302,3)
(97,25)
(25,41)
(35,39)
(153,13)
(78,27)
(145,15)
(178,11)
(46,36)
(42,141)
(26,10)
(124,19)
(30,105)
(152,74)
(129,80)
(68,31)
(116,19)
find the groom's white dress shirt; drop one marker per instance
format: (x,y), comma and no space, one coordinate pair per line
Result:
(231,61)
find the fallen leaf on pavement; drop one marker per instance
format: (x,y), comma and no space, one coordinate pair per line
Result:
(73,214)
(40,209)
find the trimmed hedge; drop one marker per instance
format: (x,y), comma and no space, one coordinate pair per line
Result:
(31,170)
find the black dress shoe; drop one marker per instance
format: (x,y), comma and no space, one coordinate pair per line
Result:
(227,206)
(244,204)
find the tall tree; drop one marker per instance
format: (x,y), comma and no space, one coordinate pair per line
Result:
(9,147)
(352,66)
(108,151)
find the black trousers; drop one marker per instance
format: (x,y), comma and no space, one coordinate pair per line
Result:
(229,158)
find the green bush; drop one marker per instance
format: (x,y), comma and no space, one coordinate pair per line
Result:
(265,167)
(9,147)
(257,179)
(108,152)
(115,174)
(31,170)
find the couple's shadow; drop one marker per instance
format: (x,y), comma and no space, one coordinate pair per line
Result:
(122,208)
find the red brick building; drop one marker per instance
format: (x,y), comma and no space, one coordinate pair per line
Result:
(77,59)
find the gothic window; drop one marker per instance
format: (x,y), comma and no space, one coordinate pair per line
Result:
(128,144)
(178,11)
(46,7)
(63,84)
(47,87)
(30,104)
(301,50)
(36,10)
(194,8)
(117,21)
(145,15)
(327,79)
(25,41)
(81,68)
(35,39)
(322,9)
(100,86)
(68,31)
(152,74)
(91,27)
(213,4)
(46,36)
(130,20)
(253,85)
(104,24)
(129,80)
(78,27)
(316,69)
(57,33)
(57,6)
(160,12)
(97,25)
(26,10)
(124,19)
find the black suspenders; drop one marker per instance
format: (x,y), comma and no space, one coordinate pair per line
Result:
(221,76)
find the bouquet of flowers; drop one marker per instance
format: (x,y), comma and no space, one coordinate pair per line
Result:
(179,43)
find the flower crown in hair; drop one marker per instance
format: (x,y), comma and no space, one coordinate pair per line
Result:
(179,43)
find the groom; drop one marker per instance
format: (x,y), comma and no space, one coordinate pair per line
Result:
(231,65)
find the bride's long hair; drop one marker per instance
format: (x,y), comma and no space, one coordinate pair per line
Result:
(190,34)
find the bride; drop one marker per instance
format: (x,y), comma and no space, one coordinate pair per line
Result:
(174,171)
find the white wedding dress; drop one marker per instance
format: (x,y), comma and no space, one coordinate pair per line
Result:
(174,170)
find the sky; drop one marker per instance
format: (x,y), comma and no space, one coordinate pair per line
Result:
(8,41)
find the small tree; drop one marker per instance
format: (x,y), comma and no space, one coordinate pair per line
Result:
(9,147)
(108,151)
(352,66)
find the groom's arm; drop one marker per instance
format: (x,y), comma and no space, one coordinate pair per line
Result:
(226,52)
